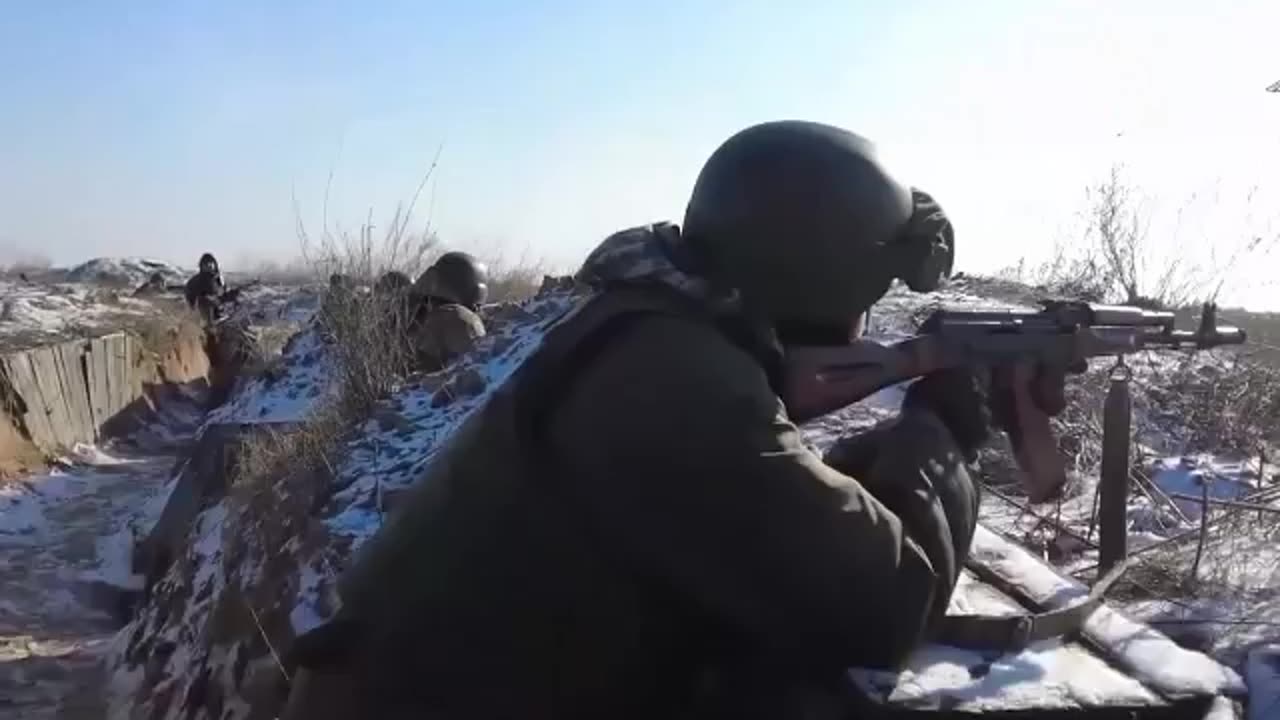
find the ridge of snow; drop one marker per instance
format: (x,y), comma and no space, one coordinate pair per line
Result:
(130,271)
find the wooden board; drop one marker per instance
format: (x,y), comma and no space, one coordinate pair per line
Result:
(44,366)
(97,368)
(36,419)
(1114,668)
(1053,674)
(75,390)
(1140,650)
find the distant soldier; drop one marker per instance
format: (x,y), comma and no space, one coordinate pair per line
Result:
(205,290)
(227,344)
(153,286)
(336,298)
(445,324)
(392,281)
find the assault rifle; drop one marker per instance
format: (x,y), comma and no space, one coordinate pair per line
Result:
(232,295)
(1029,354)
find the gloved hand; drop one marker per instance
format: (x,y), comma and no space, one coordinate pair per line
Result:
(959,397)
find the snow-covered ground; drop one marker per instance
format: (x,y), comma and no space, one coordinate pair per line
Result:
(65,544)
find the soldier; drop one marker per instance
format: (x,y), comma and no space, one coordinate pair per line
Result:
(153,286)
(205,291)
(392,281)
(632,527)
(445,324)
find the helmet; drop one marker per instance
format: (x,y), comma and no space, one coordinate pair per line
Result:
(803,220)
(457,277)
(392,281)
(208,263)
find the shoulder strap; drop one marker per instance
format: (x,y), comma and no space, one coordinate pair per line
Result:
(1011,633)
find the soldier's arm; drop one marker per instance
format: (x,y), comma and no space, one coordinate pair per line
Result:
(680,458)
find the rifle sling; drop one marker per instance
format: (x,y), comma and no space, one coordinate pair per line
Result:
(1013,633)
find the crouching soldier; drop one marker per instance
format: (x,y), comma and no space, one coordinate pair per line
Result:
(445,324)
(154,285)
(632,527)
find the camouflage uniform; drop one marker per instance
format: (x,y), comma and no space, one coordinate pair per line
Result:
(632,527)
(441,332)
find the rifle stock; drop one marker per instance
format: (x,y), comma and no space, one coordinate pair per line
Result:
(1028,353)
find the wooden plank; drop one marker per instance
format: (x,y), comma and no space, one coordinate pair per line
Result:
(133,370)
(55,375)
(113,375)
(36,420)
(77,392)
(44,367)
(97,366)
(120,372)
(1055,675)
(1143,652)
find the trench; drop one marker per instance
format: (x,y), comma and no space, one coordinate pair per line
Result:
(90,431)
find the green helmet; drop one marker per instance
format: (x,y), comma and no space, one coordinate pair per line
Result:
(457,277)
(803,220)
(392,281)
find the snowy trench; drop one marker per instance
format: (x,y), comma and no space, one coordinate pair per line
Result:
(65,539)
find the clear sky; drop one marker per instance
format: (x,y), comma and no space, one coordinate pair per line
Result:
(169,128)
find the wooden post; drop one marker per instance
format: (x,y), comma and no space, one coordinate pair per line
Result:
(1113,486)
(1204,529)
(1262,471)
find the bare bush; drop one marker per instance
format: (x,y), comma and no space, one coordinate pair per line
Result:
(297,271)
(511,281)
(1116,258)
(1220,404)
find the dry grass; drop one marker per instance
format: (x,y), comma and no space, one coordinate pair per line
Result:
(369,348)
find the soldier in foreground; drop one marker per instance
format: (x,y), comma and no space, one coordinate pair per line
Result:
(444,323)
(633,527)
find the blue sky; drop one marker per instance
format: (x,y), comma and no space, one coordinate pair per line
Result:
(165,129)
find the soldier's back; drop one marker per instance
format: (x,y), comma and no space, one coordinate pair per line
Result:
(444,332)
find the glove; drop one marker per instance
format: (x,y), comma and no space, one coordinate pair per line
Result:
(959,398)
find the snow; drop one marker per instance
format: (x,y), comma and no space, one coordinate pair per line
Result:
(40,312)
(1224,479)
(23,503)
(288,391)
(126,271)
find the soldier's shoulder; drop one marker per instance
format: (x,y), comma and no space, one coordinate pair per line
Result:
(690,352)
(454,315)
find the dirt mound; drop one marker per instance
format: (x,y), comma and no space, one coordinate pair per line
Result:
(124,272)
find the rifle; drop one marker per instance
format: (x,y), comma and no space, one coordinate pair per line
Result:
(232,295)
(1029,353)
